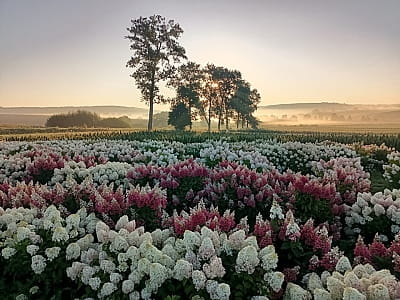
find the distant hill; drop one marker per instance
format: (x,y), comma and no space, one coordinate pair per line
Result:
(101,110)
(310,106)
(37,116)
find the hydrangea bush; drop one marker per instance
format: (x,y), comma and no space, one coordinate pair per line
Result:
(107,219)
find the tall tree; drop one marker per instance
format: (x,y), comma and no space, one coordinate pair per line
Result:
(209,95)
(156,50)
(241,103)
(188,82)
(244,104)
(227,83)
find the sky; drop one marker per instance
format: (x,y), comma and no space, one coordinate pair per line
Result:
(61,53)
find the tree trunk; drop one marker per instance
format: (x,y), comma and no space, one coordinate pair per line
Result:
(209,116)
(190,114)
(237,121)
(150,123)
(219,121)
(151,102)
(226,117)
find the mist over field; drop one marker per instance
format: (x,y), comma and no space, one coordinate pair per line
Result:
(328,113)
(323,113)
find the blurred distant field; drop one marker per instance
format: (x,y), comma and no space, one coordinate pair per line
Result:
(376,128)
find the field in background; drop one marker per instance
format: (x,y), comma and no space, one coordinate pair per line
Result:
(347,135)
(376,128)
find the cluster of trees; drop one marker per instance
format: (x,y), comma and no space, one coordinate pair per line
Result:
(83,118)
(210,92)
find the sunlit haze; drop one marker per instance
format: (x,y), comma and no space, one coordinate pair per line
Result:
(58,53)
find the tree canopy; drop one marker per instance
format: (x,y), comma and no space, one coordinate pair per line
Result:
(179,116)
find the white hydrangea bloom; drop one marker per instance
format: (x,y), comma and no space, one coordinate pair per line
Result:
(214,269)
(335,287)
(52,252)
(182,270)
(74,271)
(321,294)
(158,274)
(38,264)
(191,239)
(87,273)
(269,258)
(60,234)
(236,239)
(378,292)
(247,260)
(23,233)
(343,264)
(276,211)
(8,252)
(206,249)
(73,251)
(274,280)
(222,292)
(293,291)
(128,286)
(107,289)
(199,279)
(107,266)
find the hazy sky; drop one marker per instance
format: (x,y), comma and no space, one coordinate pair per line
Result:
(74,53)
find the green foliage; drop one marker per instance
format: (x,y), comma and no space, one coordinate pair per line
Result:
(179,116)
(83,118)
(381,225)
(296,254)
(306,207)
(80,118)
(122,122)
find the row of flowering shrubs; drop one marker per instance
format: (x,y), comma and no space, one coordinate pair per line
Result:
(195,222)
(49,255)
(38,161)
(149,191)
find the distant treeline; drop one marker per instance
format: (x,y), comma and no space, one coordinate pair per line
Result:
(82,118)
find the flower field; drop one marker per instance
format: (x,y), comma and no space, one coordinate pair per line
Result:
(209,219)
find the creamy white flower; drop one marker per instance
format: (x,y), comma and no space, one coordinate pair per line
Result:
(8,252)
(247,260)
(107,266)
(115,278)
(33,290)
(275,280)
(23,233)
(38,264)
(269,258)
(215,268)
(199,279)
(73,251)
(60,234)
(182,270)
(343,264)
(52,252)
(128,286)
(222,292)
(206,249)
(107,289)
(276,211)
